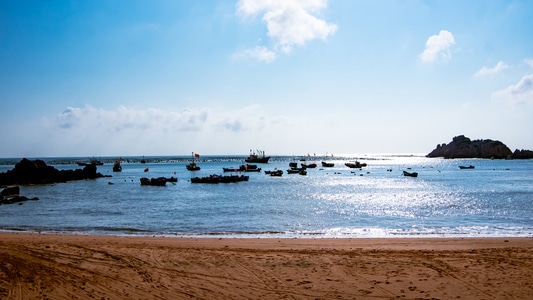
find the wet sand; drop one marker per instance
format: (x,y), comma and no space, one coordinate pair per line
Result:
(39,266)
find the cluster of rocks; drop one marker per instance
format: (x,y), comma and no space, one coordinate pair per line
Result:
(463,147)
(37,172)
(12,195)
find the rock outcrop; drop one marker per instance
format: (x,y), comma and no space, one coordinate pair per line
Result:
(11,195)
(463,147)
(522,154)
(37,172)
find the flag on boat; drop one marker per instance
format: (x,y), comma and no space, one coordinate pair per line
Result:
(196,155)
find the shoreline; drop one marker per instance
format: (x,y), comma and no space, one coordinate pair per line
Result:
(58,266)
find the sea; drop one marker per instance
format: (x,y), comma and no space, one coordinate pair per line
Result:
(494,199)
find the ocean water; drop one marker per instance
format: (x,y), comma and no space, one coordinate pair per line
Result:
(494,199)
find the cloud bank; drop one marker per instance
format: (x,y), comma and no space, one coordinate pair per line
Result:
(289,23)
(126,131)
(438,47)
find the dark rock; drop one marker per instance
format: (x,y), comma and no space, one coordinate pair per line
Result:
(522,154)
(463,147)
(10,191)
(11,195)
(37,172)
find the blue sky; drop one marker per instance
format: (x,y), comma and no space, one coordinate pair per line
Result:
(133,77)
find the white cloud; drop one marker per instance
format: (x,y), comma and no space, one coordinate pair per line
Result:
(90,131)
(438,46)
(289,22)
(259,53)
(500,66)
(520,93)
(125,118)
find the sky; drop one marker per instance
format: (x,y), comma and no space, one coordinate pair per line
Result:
(290,77)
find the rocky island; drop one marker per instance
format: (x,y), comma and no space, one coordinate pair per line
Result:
(463,147)
(38,172)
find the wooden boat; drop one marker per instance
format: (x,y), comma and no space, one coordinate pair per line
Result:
(214,179)
(466,167)
(327,165)
(355,165)
(274,173)
(243,168)
(410,174)
(310,166)
(249,168)
(92,161)
(258,157)
(193,166)
(294,171)
(160,181)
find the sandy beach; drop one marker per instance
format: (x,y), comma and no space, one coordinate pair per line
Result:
(39,266)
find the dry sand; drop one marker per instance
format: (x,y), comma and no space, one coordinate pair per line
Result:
(38,266)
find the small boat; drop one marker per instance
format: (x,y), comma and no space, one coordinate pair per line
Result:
(92,161)
(410,174)
(214,179)
(243,168)
(327,165)
(193,166)
(249,168)
(302,172)
(160,181)
(258,157)
(277,173)
(294,171)
(355,165)
(466,167)
(310,166)
(116,166)
(293,164)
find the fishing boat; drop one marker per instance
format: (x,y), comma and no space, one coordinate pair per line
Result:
(327,165)
(258,157)
(92,161)
(193,166)
(466,167)
(159,181)
(355,165)
(294,171)
(214,179)
(249,168)
(310,166)
(410,174)
(277,173)
(243,168)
